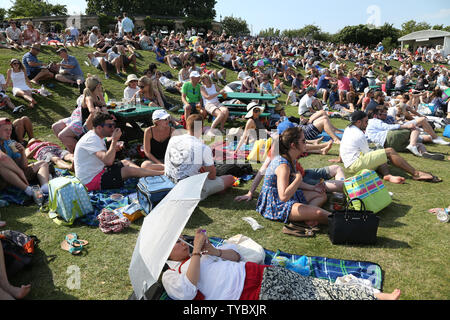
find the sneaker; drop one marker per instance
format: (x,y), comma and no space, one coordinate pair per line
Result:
(414,150)
(19,109)
(106,76)
(441,141)
(433,156)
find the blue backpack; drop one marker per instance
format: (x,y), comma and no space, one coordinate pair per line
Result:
(151,190)
(68,200)
(447,131)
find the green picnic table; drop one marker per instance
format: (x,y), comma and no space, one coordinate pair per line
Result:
(132,115)
(250,96)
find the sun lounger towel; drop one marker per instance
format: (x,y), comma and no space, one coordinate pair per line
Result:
(326,136)
(225,151)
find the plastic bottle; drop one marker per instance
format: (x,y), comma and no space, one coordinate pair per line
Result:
(106,97)
(443,215)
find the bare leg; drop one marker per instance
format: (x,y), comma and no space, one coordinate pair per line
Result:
(8,291)
(324,124)
(309,214)
(389,296)
(401,163)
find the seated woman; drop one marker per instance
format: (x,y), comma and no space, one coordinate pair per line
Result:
(69,130)
(254,126)
(280,198)
(16,77)
(212,273)
(148,94)
(145,41)
(212,105)
(30,35)
(156,138)
(49,152)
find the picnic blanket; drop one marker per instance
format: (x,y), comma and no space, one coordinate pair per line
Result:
(326,136)
(320,267)
(223,150)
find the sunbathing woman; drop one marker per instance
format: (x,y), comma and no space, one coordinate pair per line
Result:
(218,274)
(47,151)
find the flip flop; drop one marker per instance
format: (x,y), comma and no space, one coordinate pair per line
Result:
(297,232)
(303,225)
(72,249)
(72,239)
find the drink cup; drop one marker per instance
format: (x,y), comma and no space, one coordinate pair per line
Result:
(12,146)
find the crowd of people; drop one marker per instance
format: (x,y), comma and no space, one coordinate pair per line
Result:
(397,113)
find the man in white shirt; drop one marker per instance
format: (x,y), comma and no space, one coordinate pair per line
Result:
(308,103)
(96,166)
(187,155)
(356,154)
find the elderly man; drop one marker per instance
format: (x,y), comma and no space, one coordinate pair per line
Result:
(191,96)
(33,66)
(70,71)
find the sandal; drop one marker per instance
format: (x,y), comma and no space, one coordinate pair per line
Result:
(72,249)
(298,232)
(303,225)
(72,239)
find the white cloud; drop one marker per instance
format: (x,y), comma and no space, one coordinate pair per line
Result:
(441,14)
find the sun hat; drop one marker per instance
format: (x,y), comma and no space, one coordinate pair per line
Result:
(29,23)
(283,126)
(13,60)
(160,115)
(194,74)
(252,106)
(131,77)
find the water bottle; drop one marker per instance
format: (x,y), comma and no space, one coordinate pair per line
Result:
(443,215)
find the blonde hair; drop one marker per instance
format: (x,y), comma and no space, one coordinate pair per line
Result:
(92,81)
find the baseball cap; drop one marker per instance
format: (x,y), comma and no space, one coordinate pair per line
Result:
(160,115)
(282,127)
(194,74)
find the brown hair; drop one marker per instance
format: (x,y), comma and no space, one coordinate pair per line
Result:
(191,120)
(289,136)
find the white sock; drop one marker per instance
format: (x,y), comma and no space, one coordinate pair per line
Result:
(44,188)
(29,191)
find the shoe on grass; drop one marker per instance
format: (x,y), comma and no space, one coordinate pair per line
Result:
(441,141)
(433,156)
(414,150)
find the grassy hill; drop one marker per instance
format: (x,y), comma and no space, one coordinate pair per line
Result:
(412,249)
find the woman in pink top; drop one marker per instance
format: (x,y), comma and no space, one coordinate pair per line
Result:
(30,35)
(343,86)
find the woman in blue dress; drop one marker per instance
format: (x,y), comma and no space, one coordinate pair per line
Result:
(280,198)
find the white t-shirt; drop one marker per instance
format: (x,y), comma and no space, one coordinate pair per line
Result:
(185,155)
(219,279)
(242,75)
(87,164)
(292,96)
(226,57)
(128,93)
(92,39)
(305,104)
(352,144)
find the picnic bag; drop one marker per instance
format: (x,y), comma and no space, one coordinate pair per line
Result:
(353,226)
(18,249)
(111,222)
(447,131)
(367,186)
(68,200)
(260,150)
(151,190)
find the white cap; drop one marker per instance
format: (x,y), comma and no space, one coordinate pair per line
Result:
(367,90)
(194,74)
(160,115)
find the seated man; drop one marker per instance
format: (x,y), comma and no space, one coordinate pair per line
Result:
(33,66)
(16,151)
(187,155)
(192,97)
(356,154)
(98,60)
(14,35)
(397,136)
(96,166)
(70,71)
(308,103)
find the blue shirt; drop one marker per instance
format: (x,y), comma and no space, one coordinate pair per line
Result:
(323,83)
(127,25)
(28,57)
(334,96)
(71,60)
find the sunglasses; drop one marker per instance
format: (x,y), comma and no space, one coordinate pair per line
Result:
(109,125)
(142,87)
(257,110)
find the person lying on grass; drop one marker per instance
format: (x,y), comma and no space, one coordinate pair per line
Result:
(49,152)
(210,273)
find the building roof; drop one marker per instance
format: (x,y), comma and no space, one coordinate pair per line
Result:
(425,34)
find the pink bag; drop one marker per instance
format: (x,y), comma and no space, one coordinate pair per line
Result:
(110,222)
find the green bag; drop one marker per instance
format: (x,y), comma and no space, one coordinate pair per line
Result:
(367,186)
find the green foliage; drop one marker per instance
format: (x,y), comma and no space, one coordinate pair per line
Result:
(310,31)
(35,8)
(270,32)
(106,22)
(197,24)
(58,26)
(3,13)
(235,26)
(367,35)
(155,24)
(413,26)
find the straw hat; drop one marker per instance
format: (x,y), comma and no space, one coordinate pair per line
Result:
(252,106)
(29,23)
(131,77)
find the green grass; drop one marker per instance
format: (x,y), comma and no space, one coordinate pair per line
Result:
(413,247)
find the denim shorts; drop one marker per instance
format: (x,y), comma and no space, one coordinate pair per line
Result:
(313,176)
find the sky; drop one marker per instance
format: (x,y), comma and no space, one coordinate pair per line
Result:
(329,15)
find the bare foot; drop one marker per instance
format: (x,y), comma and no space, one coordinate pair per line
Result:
(337,141)
(389,296)
(327,148)
(394,179)
(20,293)
(317,141)
(336,160)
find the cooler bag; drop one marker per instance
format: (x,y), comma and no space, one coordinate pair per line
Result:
(368,187)
(68,200)
(447,131)
(151,190)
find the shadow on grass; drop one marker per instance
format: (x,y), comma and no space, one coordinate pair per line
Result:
(198,218)
(389,215)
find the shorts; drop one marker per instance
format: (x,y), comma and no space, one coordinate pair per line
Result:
(310,131)
(47,153)
(313,176)
(33,74)
(108,178)
(193,108)
(96,62)
(212,187)
(371,160)
(126,61)
(211,107)
(397,140)
(73,77)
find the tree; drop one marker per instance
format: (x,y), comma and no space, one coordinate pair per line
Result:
(35,8)
(235,26)
(3,13)
(412,26)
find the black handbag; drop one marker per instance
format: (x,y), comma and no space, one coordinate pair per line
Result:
(353,227)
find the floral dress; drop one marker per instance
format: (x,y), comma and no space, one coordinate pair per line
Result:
(269,204)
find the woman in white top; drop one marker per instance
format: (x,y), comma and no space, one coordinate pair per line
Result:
(212,104)
(132,87)
(16,77)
